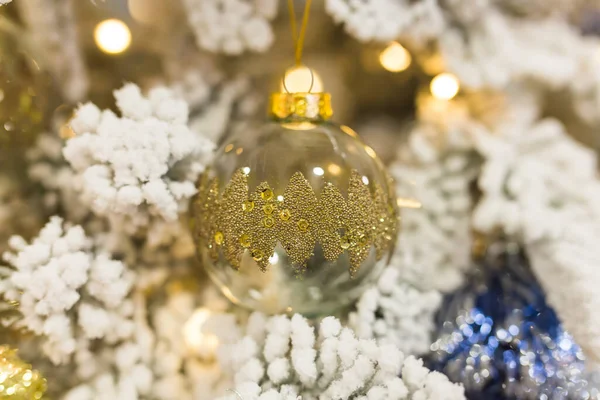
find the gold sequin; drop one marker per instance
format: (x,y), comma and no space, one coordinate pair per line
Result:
(257,255)
(245,240)
(266,194)
(363,239)
(219,238)
(285,215)
(240,220)
(303,224)
(248,205)
(268,222)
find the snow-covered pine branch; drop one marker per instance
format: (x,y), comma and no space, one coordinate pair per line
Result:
(65,293)
(140,167)
(232,26)
(283,358)
(485,43)
(541,186)
(394,312)
(433,175)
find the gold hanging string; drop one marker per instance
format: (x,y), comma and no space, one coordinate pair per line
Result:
(298,37)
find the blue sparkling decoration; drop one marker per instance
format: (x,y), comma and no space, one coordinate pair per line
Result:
(499,338)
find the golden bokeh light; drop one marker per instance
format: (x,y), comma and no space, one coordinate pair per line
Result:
(395,58)
(334,169)
(112,36)
(202,344)
(444,86)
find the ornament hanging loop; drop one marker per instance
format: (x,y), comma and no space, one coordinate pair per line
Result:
(298,37)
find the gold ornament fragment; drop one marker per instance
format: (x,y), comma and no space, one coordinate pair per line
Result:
(17,380)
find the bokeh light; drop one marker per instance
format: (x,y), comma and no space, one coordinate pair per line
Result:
(204,345)
(112,36)
(444,86)
(395,58)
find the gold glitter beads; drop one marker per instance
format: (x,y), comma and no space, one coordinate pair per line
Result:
(17,380)
(313,221)
(296,216)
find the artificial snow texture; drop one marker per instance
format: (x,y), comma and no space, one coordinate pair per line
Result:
(283,358)
(232,26)
(141,167)
(65,292)
(394,312)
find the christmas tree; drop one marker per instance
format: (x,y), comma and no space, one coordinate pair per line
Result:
(125,229)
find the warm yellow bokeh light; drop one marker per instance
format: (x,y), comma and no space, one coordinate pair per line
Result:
(112,36)
(408,203)
(334,169)
(202,344)
(395,58)
(444,86)
(298,80)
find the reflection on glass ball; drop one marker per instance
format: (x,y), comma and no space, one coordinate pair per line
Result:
(294,217)
(499,338)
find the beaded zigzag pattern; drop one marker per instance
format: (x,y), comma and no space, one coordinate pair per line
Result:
(238,220)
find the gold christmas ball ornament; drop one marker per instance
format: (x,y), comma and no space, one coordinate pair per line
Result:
(17,380)
(296,214)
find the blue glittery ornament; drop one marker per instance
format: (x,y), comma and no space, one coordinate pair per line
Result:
(499,338)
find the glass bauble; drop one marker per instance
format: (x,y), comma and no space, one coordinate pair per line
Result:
(501,340)
(295,215)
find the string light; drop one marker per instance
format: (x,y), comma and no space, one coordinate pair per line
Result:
(298,80)
(395,58)
(444,86)
(204,345)
(112,36)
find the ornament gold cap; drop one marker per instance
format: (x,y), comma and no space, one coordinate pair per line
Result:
(296,101)
(292,107)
